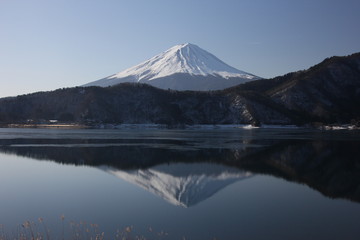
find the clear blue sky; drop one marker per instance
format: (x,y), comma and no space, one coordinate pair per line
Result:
(50,44)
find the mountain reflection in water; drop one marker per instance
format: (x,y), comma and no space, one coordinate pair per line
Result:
(182,184)
(185,174)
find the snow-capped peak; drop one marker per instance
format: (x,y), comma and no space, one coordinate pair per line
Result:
(182,58)
(182,67)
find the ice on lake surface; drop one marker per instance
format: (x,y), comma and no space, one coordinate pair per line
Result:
(195,183)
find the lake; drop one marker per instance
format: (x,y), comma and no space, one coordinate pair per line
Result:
(180,184)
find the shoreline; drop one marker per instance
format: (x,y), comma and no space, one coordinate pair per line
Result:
(62,126)
(164,126)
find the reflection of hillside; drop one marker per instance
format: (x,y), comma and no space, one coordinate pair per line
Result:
(331,167)
(120,157)
(181,175)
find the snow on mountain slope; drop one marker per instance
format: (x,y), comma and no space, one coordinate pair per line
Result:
(182,184)
(185,59)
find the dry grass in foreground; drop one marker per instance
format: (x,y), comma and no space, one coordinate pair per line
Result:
(74,231)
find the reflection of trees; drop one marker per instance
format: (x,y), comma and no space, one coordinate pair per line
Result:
(331,167)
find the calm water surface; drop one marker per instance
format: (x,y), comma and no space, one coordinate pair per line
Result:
(197,184)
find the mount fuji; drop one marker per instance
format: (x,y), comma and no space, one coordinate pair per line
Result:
(182,67)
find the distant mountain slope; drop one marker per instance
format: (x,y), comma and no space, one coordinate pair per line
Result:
(182,67)
(141,103)
(328,92)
